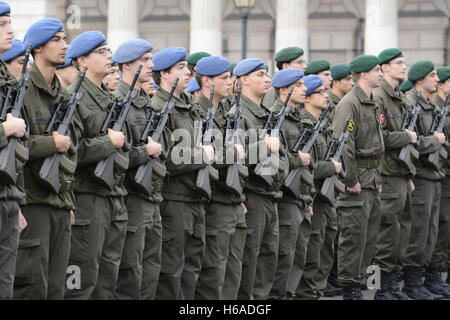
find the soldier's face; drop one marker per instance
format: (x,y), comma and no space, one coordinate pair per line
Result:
(319,98)
(344,85)
(98,61)
(147,67)
(444,86)
(430,82)
(326,77)
(68,74)
(180,71)
(298,95)
(298,63)
(223,85)
(396,69)
(258,82)
(54,51)
(15,66)
(374,77)
(6,34)
(112,80)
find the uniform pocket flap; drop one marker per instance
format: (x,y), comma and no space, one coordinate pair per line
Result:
(391,195)
(212,232)
(29,243)
(349,204)
(132,229)
(82,222)
(168,236)
(416,201)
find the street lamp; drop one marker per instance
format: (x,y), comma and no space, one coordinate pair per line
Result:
(244,7)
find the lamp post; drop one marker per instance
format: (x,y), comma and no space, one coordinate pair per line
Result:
(244,7)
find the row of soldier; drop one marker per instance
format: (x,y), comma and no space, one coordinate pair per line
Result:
(260,236)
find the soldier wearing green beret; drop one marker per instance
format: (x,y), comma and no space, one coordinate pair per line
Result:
(193,58)
(406,86)
(441,255)
(427,193)
(358,207)
(290,57)
(396,179)
(322,68)
(326,277)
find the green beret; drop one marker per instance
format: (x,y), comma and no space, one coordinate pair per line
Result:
(420,69)
(406,86)
(364,63)
(443,74)
(233,65)
(316,66)
(340,71)
(389,54)
(195,57)
(288,54)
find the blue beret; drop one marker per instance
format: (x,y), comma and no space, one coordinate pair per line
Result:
(114,63)
(154,86)
(67,61)
(131,50)
(247,66)
(168,57)
(42,31)
(312,82)
(5,9)
(212,66)
(193,86)
(85,43)
(16,50)
(287,77)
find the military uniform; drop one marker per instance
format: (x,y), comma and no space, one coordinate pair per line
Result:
(11,196)
(224,226)
(261,247)
(45,243)
(358,215)
(182,211)
(395,206)
(141,256)
(294,217)
(440,257)
(321,221)
(98,234)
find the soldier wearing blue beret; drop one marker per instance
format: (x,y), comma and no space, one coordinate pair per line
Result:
(97,245)
(419,259)
(293,210)
(262,195)
(15,57)
(183,207)
(48,212)
(11,195)
(219,276)
(140,267)
(66,73)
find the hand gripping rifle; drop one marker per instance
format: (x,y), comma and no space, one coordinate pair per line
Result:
(143,178)
(434,159)
(335,151)
(409,153)
(104,171)
(236,170)
(265,166)
(305,143)
(204,136)
(49,173)
(14,104)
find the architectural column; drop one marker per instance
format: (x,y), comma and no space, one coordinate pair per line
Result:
(206,26)
(381,26)
(123,19)
(25,12)
(292,25)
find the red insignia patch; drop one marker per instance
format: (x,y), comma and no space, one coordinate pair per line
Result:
(382,118)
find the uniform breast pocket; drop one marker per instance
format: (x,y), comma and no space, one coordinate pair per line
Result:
(137,126)
(292,137)
(368,135)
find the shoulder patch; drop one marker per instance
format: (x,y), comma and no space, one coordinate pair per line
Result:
(351,126)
